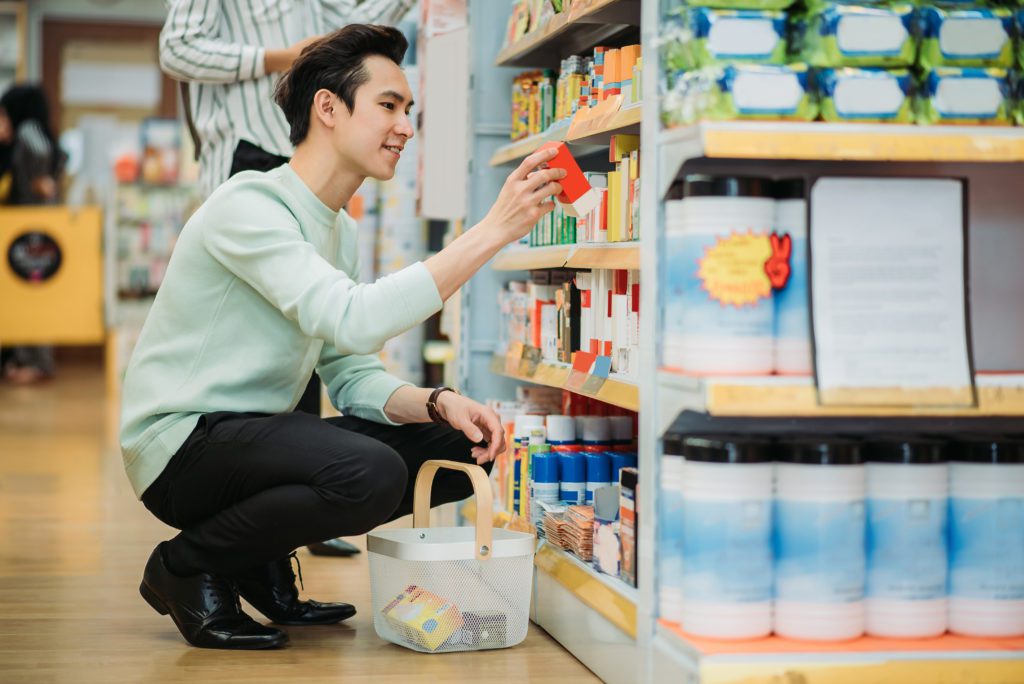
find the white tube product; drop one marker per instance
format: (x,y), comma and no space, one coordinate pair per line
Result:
(819,541)
(907,563)
(792,302)
(719,307)
(986,541)
(727,538)
(670,531)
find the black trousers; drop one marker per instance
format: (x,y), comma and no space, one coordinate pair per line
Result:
(246,489)
(249,157)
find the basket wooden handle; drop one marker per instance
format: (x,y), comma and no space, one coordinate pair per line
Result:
(484,500)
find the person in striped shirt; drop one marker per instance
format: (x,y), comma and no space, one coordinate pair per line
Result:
(230,53)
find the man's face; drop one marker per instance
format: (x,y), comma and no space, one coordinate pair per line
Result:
(372,136)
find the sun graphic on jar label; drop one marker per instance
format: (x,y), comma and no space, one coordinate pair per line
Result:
(732,271)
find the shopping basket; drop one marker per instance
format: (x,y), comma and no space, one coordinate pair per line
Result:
(446,589)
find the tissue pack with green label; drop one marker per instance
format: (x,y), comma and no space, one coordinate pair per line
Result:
(741,91)
(965,95)
(723,36)
(837,34)
(969,36)
(866,94)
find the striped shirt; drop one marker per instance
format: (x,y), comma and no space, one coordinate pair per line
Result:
(218,47)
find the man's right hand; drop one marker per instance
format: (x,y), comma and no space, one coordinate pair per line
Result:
(275,61)
(526,197)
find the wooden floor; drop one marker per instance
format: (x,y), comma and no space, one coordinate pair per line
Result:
(73,542)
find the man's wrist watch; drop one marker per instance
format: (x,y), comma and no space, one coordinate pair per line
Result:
(432,410)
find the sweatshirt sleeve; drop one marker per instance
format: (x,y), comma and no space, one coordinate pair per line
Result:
(259,241)
(192,49)
(358,384)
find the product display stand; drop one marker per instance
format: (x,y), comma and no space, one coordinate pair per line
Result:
(616,630)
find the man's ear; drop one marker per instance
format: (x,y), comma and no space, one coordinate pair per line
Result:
(324,103)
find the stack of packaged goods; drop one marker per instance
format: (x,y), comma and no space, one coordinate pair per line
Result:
(824,539)
(574,478)
(533,103)
(887,61)
(731,59)
(561,312)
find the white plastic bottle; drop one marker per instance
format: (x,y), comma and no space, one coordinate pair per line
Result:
(819,540)
(907,563)
(719,308)
(986,540)
(792,301)
(726,537)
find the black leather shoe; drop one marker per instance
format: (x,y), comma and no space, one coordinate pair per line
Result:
(333,547)
(271,590)
(204,608)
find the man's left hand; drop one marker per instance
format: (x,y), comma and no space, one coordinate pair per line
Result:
(476,421)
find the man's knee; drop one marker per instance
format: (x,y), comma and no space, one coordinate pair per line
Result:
(369,488)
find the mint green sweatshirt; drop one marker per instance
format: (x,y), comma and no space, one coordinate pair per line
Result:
(259,291)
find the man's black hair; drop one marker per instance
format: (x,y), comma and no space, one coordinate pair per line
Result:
(337,63)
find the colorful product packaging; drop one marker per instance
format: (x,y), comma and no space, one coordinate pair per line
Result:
(577,197)
(834,34)
(741,91)
(967,37)
(965,95)
(423,618)
(726,35)
(866,95)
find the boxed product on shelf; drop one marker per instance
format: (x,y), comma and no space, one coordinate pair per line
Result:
(866,94)
(629,523)
(740,91)
(533,103)
(729,35)
(834,34)
(966,36)
(965,95)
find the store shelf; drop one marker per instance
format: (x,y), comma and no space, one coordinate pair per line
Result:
(528,258)
(609,390)
(586,24)
(948,659)
(594,133)
(622,255)
(781,396)
(835,142)
(592,615)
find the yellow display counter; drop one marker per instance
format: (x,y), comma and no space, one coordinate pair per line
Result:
(51,275)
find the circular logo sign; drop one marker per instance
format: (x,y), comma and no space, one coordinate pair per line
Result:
(34,256)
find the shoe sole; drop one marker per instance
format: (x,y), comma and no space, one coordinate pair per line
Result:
(302,623)
(159,606)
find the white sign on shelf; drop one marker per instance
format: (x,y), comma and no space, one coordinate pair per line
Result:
(888,289)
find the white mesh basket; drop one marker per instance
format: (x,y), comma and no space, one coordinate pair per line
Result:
(451,589)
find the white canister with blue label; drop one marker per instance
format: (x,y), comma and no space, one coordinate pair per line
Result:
(726,537)
(986,538)
(718,303)
(792,299)
(819,540)
(908,497)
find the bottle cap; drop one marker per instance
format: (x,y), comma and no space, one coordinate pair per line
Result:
(726,186)
(561,429)
(905,449)
(726,449)
(525,422)
(818,451)
(597,429)
(987,449)
(622,428)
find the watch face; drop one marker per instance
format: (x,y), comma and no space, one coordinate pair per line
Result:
(34,256)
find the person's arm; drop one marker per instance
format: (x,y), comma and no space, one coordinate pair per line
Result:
(192,48)
(338,13)
(522,202)
(358,385)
